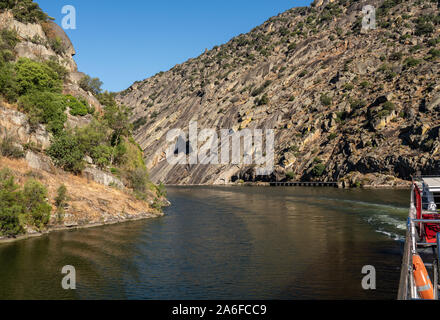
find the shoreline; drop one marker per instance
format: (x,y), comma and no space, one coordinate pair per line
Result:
(59,228)
(267,184)
(53,229)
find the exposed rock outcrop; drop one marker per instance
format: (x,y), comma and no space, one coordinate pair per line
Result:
(94,198)
(39,161)
(35,40)
(318,81)
(16,124)
(89,203)
(102,177)
(36,43)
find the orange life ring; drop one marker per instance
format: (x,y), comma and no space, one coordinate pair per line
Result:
(421,277)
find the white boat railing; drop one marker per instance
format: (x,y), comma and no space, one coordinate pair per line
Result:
(407,287)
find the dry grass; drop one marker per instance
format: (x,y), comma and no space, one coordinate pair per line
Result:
(89,202)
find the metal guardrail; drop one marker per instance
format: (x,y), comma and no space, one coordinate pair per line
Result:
(421,177)
(304,184)
(403,293)
(407,288)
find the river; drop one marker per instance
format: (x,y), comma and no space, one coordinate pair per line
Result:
(224,243)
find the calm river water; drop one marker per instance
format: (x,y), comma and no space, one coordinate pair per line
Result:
(224,243)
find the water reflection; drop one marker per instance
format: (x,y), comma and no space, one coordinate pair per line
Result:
(223,243)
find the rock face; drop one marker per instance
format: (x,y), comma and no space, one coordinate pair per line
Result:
(24,30)
(341,100)
(102,177)
(35,40)
(94,198)
(16,124)
(39,162)
(35,43)
(89,203)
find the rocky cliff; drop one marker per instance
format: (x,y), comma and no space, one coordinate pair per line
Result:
(93,197)
(47,41)
(346,103)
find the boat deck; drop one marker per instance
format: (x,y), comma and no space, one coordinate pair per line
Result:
(422,240)
(433,184)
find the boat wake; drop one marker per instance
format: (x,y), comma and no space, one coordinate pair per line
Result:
(394,236)
(389,226)
(357,203)
(386,219)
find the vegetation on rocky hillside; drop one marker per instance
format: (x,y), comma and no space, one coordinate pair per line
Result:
(22,208)
(25,11)
(363,102)
(102,138)
(37,87)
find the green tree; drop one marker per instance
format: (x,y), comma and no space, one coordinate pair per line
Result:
(290,175)
(76,107)
(11,207)
(57,45)
(161,190)
(107,98)
(8,84)
(34,76)
(138,181)
(424,27)
(326,100)
(67,152)
(61,201)
(9,148)
(56,67)
(129,155)
(95,139)
(318,170)
(117,118)
(90,84)
(22,207)
(25,11)
(101,155)
(46,108)
(263,101)
(36,207)
(9,39)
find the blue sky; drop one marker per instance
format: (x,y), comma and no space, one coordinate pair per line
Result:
(124,41)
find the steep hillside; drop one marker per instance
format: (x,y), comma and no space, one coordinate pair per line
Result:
(346,104)
(45,40)
(67,155)
(87,203)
